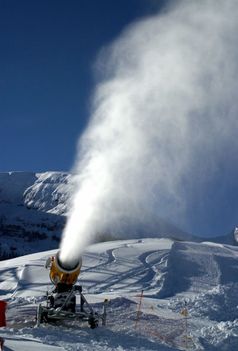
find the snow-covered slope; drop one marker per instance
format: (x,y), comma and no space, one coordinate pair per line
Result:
(32,206)
(199,277)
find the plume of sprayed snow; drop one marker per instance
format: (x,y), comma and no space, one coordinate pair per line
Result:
(161,119)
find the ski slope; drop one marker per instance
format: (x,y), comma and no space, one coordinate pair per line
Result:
(199,277)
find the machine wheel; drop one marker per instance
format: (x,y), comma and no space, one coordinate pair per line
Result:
(93,323)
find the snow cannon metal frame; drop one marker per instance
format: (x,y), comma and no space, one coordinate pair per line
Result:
(61,300)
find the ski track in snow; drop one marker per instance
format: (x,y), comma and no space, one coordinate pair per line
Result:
(173,275)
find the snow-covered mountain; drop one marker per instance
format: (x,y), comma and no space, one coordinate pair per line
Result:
(33,209)
(189,299)
(46,192)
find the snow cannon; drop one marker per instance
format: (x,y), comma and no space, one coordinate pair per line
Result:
(63,272)
(61,302)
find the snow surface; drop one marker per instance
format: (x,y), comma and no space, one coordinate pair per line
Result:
(201,277)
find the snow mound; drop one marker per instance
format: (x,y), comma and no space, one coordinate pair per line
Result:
(199,267)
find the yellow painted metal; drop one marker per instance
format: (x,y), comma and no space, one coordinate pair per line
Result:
(60,275)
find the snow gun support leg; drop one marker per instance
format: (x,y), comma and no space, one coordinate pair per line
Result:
(62,306)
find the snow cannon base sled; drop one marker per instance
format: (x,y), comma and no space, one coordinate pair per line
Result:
(61,306)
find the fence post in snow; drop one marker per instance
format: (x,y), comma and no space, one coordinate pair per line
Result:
(184,313)
(104,315)
(1,343)
(139,309)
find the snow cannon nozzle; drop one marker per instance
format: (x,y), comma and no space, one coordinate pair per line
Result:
(63,272)
(67,266)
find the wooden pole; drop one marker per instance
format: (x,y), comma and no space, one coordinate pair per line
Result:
(139,309)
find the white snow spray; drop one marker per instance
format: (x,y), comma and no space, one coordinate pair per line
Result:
(163,123)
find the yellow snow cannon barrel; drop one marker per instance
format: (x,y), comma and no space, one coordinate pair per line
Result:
(64,273)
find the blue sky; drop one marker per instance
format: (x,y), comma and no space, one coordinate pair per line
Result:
(48,49)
